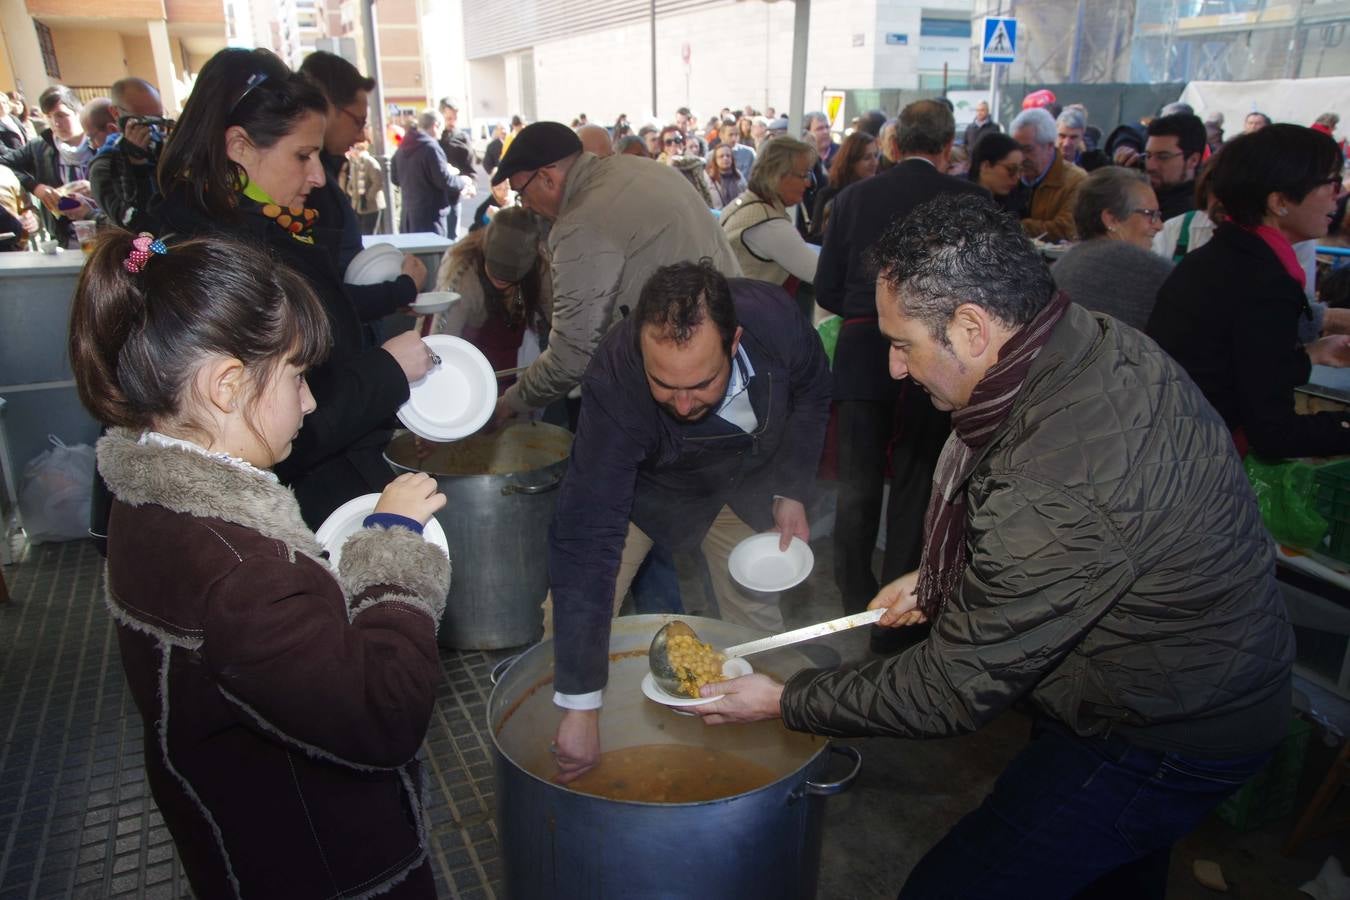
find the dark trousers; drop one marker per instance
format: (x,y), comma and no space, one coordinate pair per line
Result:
(1078,817)
(914,431)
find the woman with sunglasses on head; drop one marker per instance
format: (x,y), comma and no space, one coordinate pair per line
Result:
(1113,269)
(996,166)
(242,163)
(1230,312)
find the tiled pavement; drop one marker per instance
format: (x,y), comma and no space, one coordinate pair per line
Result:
(76,818)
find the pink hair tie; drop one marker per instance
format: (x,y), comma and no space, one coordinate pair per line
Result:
(142,247)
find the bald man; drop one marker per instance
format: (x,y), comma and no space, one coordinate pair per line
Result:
(595,139)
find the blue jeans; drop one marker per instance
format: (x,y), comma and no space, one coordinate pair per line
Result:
(1078,817)
(656,587)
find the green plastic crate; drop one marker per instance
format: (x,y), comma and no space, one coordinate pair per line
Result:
(1270,793)
(1333,502)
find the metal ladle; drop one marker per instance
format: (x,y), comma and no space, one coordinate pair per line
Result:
(668,679)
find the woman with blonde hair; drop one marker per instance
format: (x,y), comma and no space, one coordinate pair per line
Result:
(757,224)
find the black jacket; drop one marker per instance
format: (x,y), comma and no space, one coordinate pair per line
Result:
(631,461)
(125,188)
(339,452)
(975,131)
(429,190)
(844,283)
(1229,313)
(458,153)
(343,240)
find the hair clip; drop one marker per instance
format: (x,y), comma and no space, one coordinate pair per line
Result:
(142,247)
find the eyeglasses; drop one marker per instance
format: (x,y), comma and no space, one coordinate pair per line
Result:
(804,176)
(1153,215)
(673,140)
(1160,155)
(520,194)
(359,123)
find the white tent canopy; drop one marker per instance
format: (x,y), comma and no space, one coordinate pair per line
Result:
(1299,101)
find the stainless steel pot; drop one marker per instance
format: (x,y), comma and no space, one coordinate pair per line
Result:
(558,844)
(499,491)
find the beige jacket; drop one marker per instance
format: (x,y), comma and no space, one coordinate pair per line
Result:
(621,219)
(1051,210)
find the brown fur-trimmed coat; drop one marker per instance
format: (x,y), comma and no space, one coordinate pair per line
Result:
(284,706)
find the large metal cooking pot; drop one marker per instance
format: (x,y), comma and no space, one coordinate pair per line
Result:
(499,491)
(558,843)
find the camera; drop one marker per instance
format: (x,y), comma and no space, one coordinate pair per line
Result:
(163,123)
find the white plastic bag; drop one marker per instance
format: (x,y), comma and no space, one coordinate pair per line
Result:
(55,492)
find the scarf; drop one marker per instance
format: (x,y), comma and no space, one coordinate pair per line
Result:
(974,426)
(296,221)
(75,159)
(1284,252)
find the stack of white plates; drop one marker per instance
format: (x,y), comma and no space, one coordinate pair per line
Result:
(454,399)
(349,518)
(375,264)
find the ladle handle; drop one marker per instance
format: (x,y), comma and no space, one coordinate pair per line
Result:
(805,634)
(532,488)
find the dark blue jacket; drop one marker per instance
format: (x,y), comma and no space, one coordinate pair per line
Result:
(429,189)
(633,461)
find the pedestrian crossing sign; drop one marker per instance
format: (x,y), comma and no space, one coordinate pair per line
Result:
(1000,40)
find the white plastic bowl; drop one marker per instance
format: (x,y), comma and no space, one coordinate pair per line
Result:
(757,563)
(732,668)
(375,264)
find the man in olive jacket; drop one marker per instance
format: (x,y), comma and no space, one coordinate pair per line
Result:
(1092,546)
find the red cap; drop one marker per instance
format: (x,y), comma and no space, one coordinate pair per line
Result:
(1038,99)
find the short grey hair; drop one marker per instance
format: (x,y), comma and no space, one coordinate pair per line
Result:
(811,117)
(1177,107)
(925,126)
(776,159)
(1039,119)
(429,119)
(1108,188)
(1072,117)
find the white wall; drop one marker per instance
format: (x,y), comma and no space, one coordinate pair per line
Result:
(739,53)
(487,88)
(445,69)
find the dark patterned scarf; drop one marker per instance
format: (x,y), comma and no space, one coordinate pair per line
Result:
(973,426)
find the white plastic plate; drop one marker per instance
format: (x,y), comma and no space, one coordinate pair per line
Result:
(454,399)
(373,265)
(347,520)
(431,302)
(732,668)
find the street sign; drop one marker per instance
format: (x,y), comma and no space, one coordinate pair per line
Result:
(1000,40)
(893,38)
(833,103)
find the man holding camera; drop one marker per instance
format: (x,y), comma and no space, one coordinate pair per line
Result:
(122,174)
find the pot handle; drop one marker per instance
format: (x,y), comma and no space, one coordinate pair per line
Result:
(830,788)
(500,669)
(532,488)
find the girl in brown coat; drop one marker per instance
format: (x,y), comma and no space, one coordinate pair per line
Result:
(284,703)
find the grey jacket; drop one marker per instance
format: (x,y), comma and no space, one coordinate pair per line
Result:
(1112,277)
(621,219)
(1119,573)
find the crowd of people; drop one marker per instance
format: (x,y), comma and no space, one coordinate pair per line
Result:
(1068,521)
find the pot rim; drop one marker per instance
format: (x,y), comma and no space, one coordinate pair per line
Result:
(494,701)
